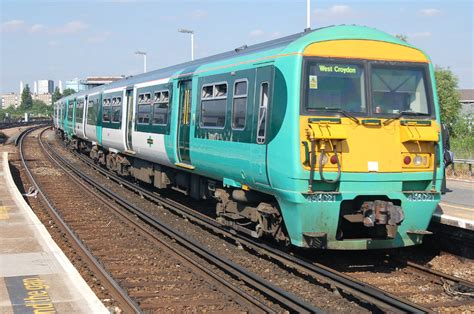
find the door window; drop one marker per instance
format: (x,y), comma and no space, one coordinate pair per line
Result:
(239,105)
(262,113)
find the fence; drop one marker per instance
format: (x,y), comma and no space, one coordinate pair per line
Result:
(467,162)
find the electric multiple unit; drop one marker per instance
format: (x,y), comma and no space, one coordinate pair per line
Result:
(324,139)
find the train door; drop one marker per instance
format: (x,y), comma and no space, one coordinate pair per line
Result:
(129,119)
(263,92)
(84,116)
(184,120)
(61,116)
(73,117)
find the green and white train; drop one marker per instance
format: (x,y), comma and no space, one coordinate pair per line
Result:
(325,139)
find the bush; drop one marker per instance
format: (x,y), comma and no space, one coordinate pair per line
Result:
(462,143)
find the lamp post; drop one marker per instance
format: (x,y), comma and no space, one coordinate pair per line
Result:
(308,14)
(188,31)
(144,59)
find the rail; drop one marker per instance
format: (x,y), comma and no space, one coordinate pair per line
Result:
(128,305)
(7,125)
(363,291)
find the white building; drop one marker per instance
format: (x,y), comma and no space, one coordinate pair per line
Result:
(45,87)
(8,100)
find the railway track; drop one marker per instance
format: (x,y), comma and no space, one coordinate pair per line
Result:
(230,297)
(111,285)
(432,289)
(342,282)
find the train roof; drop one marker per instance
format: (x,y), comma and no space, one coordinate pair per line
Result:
(319,34)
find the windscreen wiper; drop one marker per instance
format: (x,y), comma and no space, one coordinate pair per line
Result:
(342,111)
(404,113)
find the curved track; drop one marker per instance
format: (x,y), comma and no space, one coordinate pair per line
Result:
(275,294)
(122,298)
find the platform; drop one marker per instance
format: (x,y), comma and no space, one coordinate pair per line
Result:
(35,275)
(454,215)
(457,206)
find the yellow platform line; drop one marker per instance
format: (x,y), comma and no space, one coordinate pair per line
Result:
(456,206)
(4,213)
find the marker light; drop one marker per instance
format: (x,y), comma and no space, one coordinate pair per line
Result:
(417,160)
(325,159)
(425,161)
(333,159)
(407,160)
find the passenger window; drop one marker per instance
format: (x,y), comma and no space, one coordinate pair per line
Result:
(70,110)
(106,110)
(79,111)
(239,105)
(116,109)
(207,91)
(213,105)
(91,115)
(144,114)
(262,113)
(161,108)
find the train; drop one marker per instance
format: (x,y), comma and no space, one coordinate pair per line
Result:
(325,139)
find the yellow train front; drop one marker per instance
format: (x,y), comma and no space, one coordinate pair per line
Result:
(367,170)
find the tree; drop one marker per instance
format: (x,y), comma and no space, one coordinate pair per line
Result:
(448,97)
(68,91)
(56,95)
(26,99)
(40,108)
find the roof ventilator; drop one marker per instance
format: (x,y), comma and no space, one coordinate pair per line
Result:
(239,49)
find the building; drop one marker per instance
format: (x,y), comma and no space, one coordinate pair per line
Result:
(90,82)
(45,87)
(75,84)
(467,104)
(46,98)
(467,101)
(11,99)
(94,81)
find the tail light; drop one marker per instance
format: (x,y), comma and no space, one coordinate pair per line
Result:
(407,160)
(333,159)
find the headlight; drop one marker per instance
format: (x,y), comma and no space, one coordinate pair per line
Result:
(417,160)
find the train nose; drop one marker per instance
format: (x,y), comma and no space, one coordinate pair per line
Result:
(382,213)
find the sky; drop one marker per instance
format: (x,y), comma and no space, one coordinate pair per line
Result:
(66,39)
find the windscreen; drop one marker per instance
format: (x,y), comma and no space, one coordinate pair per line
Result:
(398,89)
(335,86)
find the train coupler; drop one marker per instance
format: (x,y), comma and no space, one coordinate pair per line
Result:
(315,240)
(383,213)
